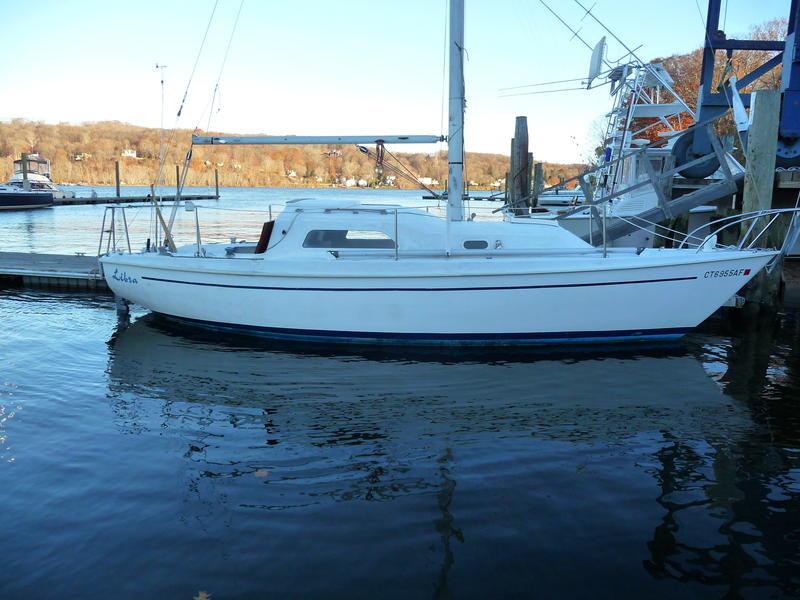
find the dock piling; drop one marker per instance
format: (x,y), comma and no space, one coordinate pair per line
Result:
(538,183)
(520,171)
(762,138)
(123,308)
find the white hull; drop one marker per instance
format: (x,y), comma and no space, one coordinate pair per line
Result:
(658,294)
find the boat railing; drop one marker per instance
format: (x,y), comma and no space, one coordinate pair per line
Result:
(500,253)
(108,230)
(593,185)
(753,225)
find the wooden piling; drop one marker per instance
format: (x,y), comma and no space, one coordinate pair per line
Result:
(538,183)
(116,175)
(177,176)
(762,138)
(520,184)
(26,185)
(216,182)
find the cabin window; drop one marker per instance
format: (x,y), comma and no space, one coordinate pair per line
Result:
(347,238)
(476,245)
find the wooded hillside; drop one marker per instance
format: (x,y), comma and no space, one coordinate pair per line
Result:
(85,154)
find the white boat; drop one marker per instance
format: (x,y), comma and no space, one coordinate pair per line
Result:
(347,271)
(643,98)
(32,173)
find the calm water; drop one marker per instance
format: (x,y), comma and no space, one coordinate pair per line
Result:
(239,211)
(152,461)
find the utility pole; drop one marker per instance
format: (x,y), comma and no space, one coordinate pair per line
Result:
(161,134)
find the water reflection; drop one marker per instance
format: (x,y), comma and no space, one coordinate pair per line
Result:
(289,429)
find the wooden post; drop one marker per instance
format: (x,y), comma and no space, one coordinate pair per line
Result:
(538,183)
(762,139)
(177,177)
(529,177)
(116,175)
(26,185)
(511,186)
(520,185)
(216,181)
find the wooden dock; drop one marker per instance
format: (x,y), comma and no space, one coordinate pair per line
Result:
(126,199)
(71,272)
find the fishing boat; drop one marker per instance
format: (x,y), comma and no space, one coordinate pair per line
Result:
(643,99)
(354,272)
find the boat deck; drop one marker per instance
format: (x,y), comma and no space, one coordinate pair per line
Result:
(74,271)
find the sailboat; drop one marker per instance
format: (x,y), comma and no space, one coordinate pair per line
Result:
(345,271)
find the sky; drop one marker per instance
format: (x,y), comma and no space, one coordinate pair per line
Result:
(324,67)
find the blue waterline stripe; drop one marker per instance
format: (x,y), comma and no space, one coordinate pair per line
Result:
(448,289)
(365,336)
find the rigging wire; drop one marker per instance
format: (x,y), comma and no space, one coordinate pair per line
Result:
(156,213)
(552,91)
(400,169)
(222,66)
(185,94)
(725,18)
(565,24)
(519,87)
(197,59)
(700,12)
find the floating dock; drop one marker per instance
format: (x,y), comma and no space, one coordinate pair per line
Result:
(127,199)
(71,272)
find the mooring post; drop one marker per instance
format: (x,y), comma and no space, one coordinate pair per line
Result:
(216,181)
(759,178)
(123,308)
(26,184)
(529,176)
(177,176)
(511,186)
(520,184)
(538,183)
(116,175)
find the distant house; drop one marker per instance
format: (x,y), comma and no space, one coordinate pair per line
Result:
(129,153)
(362,183)
(498,183)
(350,182)
(428,181)
(82,156)
(291,173)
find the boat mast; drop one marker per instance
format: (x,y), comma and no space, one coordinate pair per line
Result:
(455,133)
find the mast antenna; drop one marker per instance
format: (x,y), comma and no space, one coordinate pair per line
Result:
(653,72)
(161,68)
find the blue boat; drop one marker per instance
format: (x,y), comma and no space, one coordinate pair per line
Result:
(16,198)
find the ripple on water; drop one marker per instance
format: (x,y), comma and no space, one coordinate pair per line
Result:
(178,460)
